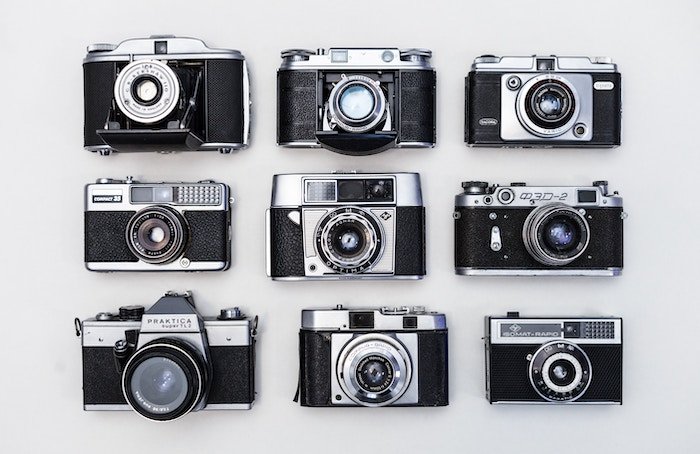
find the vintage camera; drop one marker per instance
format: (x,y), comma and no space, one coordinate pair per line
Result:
(543,101)
(538,230)
(553,360)
(346,226)
(132,226)
(168,361)
(356,101)
(165,93)
(372,358)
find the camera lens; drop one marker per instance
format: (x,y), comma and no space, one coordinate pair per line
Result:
(555,234)
(547,106)
(356,101)
(349,240)
(374,369)
(561,233)
(356,104)
(157,234)
(146,90)
(374,373)
(551,104)
(562,372)
(159,382)
(165,379)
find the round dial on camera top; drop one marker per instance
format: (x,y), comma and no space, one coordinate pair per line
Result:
(131,312)
(475,187)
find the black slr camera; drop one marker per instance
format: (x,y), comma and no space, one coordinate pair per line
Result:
(356,101)
(132,226)
(165,94)
(346,226)
(373,358)
(553,360)
(543,101)
(168,361)
(538,230)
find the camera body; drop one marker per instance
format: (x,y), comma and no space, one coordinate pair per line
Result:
(538,230)
(553,360)
(373,358)
(543,101)
(346,226)
(132,226)
(356,101)
(167,361)
(165,93)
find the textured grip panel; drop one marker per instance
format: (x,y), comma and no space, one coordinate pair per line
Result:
(224,101)
(286,245)
(296,106)
(101,380)
(105,236)
(433,388)
(233,378)
(508,378)
(482,100)
(607,105)
(209,238)
(410,241)
(417,118)
(314,369)
(473,236)
(98,86)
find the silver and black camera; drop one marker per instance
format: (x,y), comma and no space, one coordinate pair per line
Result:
(167,361)
(356,101)
(132,226)
(355,225)
(373,358)
(543,101)
(553,360)
(165,93)
(538,230)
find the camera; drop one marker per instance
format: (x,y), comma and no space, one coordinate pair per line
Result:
(346,226)
(165,93)
(372,358)
(132,226)
(553,360)
(543,101)
(356,101)
(538,230)
(167,361)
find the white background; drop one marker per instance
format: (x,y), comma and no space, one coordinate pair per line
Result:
(45,284)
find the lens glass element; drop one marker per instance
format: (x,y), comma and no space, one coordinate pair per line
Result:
(356,101)
(562,372)
(561,233)
(348,239)
(550,104)
(374,373)
(159,384)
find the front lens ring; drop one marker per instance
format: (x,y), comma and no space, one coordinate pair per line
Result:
(527,117)
(381,345)
(535,243)
(187,358)
(175,235)
(540,368)
(149,112)
(373,239)
(370,121)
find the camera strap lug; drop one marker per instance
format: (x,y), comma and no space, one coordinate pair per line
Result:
(78,327)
